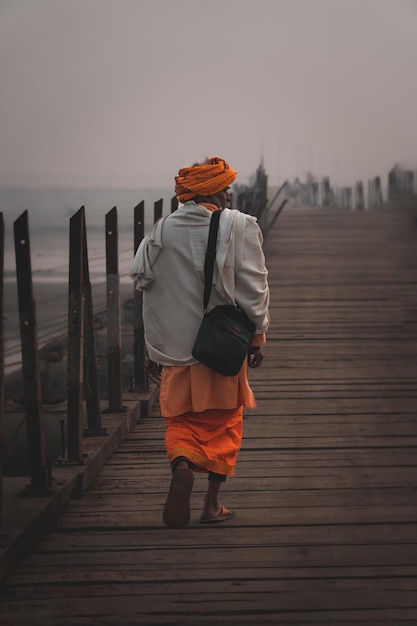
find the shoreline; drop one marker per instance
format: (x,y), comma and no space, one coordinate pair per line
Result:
(51,309)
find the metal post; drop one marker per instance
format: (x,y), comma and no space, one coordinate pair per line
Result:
(378,192)
(157,210)
(139,349)
(30,358)
(1,362)
(114,362)
(90,374)
(277,213)
(75,338)
(174,204)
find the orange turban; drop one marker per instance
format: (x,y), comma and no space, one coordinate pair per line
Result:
(203,180)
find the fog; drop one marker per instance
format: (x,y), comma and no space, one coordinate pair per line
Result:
(122,93)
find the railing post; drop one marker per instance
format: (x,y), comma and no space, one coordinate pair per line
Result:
(139,349)
(174,204)
(157,210)
(378,193)
(326,191)
(360,203)
(30,358)
(1,362)
(114,362)
(370,195)
(277,213)
(75,338)
(90,377)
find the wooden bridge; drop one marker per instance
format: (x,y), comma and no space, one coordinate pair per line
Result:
(325,490)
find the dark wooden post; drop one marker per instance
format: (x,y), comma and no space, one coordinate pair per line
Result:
(256,206)
(370,195)
(75,337)
(359,200)
(314,193)
(349,198)
(114,361)
(1,362)
(326,191)
(378,193)
(157,210)
(90,374)
(30,358)
(391,184)
(139,349)
(174,204)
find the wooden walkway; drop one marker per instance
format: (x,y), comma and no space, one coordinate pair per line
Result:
(325,487)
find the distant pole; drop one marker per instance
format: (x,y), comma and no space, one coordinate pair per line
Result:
(378,193)
(360,203)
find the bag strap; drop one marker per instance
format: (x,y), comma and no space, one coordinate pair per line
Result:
(210,256)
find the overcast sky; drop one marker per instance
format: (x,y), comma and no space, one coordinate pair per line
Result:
(122,93)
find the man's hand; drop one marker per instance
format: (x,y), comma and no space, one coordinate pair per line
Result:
(255,357)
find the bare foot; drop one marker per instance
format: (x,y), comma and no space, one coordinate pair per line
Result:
(221,514)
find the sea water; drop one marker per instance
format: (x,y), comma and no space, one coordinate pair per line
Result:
(49,213)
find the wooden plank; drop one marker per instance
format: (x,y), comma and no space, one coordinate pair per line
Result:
(122,500)
(230,559)
(269,516)
(219,600)
(255,579)
(362,457)
(364,617)
(331,534)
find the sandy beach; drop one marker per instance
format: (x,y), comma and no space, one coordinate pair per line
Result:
(51,302)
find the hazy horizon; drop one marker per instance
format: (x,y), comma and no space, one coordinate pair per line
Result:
(106,94)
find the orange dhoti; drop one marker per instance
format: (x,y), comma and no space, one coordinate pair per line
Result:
(210,439)
(203,413)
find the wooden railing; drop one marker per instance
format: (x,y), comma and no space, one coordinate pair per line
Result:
(253,199)
(82,377)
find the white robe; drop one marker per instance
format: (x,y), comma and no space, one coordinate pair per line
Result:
(169,268)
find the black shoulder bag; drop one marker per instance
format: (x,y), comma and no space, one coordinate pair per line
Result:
(224,337)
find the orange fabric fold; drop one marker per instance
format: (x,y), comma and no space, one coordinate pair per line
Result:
(210,439)
(204,180)
(198,388)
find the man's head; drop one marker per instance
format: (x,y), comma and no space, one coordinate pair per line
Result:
(205,182)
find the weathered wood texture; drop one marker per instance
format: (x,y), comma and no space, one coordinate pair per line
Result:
(325,487)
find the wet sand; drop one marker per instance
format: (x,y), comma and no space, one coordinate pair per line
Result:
(51,305)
